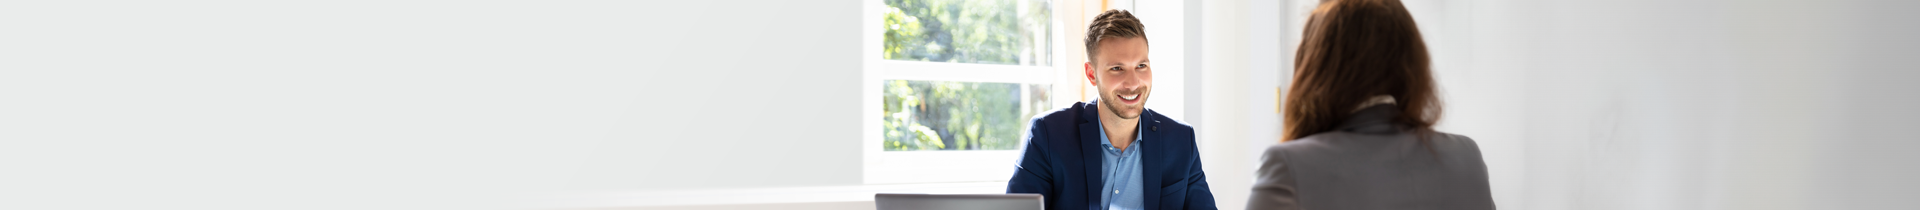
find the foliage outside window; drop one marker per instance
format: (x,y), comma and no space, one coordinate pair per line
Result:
(950,115)
(969,31)
(937,115)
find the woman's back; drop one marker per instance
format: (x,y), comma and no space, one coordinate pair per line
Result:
(1369,163)
(1357,123)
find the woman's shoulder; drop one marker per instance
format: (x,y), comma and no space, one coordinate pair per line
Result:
(1304,143)
(1316,143)
(1339,141)
(1455,142)
(1331,139)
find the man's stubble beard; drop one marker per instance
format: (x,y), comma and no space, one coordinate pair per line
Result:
(1113,105)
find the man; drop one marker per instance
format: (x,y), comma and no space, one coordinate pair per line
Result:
(1113,153)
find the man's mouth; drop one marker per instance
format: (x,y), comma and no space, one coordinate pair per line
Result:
(1130,97)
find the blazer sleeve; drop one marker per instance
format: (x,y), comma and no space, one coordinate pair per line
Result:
(1199,195)
(1034,173)
(1273,186)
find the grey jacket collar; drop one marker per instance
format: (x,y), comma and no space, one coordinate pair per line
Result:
(1373,119)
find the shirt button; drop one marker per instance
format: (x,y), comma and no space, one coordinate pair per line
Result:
(1116,191)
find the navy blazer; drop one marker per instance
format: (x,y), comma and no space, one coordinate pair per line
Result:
(1062,155)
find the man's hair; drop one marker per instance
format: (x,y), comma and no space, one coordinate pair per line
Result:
(1113,23)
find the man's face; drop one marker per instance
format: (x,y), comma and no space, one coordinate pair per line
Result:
(1119,69)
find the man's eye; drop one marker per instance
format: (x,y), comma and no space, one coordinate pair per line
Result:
(1142,66)
(1116,68)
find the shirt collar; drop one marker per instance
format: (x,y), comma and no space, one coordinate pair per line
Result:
(1375,100)
(1104,141)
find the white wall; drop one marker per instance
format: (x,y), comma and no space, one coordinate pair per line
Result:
(1242,48)
(1683,104)
(418,104)
(747,94)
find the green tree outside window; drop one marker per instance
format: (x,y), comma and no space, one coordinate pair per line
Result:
(940,115)
(1011,32)
(946,115)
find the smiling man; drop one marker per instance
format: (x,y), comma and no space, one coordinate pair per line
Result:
(1113,153)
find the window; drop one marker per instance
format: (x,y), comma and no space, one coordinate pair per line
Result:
(946,115)
(1013,32)
(953,84)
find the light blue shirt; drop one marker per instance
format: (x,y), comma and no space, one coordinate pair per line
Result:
(1121,171)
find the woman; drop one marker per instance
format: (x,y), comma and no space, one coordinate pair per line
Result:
(1359,122)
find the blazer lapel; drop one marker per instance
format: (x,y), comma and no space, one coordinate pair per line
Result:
(1091,153)
(1150,159)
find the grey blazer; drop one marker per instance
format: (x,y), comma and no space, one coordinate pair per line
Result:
(1369,163)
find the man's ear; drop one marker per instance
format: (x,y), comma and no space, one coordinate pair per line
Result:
(1090,79)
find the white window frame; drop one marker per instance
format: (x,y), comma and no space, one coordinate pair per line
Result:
(882,167)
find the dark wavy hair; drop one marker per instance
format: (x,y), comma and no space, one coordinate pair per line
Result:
(1353,50)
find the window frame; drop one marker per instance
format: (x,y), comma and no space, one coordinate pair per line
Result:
(899,167)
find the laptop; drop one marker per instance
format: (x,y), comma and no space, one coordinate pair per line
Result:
(1014,201)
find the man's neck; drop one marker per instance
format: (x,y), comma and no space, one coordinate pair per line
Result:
(1120,132)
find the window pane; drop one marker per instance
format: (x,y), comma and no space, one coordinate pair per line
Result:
(969,31)
(941,115)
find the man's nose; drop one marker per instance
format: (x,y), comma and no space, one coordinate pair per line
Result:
(1130,80)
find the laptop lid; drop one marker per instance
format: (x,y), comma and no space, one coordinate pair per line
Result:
(899,201)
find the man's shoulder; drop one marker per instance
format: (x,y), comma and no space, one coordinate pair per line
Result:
(1061,116)
(1070,116)
(1168,123)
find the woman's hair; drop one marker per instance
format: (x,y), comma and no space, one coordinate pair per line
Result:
(1354,50)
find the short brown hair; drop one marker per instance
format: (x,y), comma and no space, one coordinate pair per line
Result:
(1113,23)
(1353,50)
